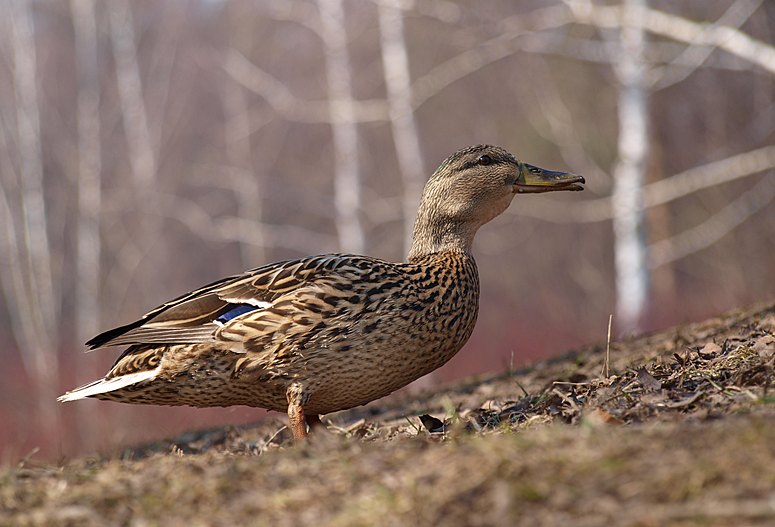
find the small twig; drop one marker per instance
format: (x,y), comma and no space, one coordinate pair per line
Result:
(262,448)
(352,427)
(414,426)
(715,385)
(628,395)
(683,403)
(573,404)
(26,459)
(607,348)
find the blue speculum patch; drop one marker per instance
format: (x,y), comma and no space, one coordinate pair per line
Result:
(239,309)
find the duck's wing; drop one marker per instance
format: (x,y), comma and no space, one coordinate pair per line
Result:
(197,316)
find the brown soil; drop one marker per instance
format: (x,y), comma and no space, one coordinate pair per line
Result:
(680,432)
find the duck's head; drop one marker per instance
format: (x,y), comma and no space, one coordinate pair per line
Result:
(470,188)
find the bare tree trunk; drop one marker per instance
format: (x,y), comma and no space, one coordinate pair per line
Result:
(130,90)
(395,63)
(245,183)
(41,321)
(140,152)
(88,244)
(630,251)
(347,179)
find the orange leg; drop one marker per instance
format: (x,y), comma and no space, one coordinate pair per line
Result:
(297,398)
(298,421)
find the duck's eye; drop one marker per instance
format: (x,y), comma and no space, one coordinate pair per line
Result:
(485,160)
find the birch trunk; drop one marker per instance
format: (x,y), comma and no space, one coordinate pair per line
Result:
(398,82)
(130,91)
(395,63)
(245,183)
(144,230)
(41,321)
(347,179)
(88,246)
(630,251)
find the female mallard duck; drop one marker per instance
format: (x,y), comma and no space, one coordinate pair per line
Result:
(326,333)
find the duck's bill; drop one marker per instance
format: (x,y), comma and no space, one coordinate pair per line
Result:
(535,179)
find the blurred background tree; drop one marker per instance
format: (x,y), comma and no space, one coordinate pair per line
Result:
(149,147)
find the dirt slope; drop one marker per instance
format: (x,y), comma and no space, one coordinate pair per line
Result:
(681,431)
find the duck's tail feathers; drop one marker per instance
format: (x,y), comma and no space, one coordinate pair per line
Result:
(107,385)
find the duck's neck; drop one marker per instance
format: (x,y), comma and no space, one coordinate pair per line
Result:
(434,234)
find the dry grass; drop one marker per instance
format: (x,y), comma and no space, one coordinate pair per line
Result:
(680,433)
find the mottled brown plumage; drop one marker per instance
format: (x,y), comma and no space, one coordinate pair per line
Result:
(326,333)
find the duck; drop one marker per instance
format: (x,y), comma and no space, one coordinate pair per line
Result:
(320,334)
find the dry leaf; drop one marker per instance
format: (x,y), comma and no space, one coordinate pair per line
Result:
(649,383)
(711,349)
(599,417)
(764,346)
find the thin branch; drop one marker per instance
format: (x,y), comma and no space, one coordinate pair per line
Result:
(595,51)
(677,28)
(300,13)
(441,10)
(504,44)
(658,192)
(695,55)
(714,228)
(497,48)
(242,230)
(423,88)
(710,175)
(553,119)
(289,105)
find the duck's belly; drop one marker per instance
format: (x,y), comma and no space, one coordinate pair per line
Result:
(334,379)
(335,385)
(353,369)
(369,364)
